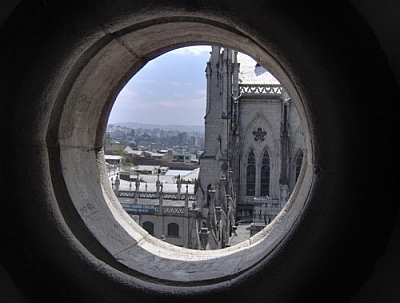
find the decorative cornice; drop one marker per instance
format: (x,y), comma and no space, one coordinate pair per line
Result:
(271,90)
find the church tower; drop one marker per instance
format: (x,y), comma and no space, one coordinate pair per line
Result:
(215,160)
(253,141)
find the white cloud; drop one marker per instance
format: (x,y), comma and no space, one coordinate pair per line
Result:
(146,81)
(179,95)
(192,50)
(172,89)
(177,83)
(126,95)
(152,64)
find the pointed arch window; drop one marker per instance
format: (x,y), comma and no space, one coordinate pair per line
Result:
(251,174)
(299,161)
(265,175)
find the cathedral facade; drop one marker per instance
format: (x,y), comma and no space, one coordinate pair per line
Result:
(254,149)
(253,140)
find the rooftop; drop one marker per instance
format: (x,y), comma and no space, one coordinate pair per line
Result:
(253,73)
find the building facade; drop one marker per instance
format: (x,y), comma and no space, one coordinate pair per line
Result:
(252,157)
(253,138)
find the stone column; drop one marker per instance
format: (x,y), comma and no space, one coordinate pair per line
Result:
(137,185)
(161,200)
(179,185)
(204,233)
(117,183)
(211,218)
(284,178)
(186,206)
(194,236)
(158,186)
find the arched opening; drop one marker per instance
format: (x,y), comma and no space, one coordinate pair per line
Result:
(251,174)
(165,167)
(265,174)
(173,230)
(79,139)
(149,227)
(67,109)
(129,234)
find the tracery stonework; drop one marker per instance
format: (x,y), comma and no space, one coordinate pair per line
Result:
(259,135)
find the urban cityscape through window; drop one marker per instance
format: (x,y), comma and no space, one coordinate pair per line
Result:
(203,147)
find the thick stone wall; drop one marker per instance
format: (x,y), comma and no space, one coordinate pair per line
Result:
(63,61)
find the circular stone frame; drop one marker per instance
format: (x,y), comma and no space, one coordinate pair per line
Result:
(80,139)
(75,227)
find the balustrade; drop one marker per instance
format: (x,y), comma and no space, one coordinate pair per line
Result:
(272,90)
(153,195)
(153,209)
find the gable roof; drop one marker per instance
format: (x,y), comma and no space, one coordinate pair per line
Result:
(252,73)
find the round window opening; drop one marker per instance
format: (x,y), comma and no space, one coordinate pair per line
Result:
(256,146)
(190,147)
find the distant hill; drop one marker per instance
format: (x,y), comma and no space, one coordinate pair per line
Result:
(181,128)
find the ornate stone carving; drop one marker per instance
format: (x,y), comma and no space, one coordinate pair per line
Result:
(259,134)
(259,89)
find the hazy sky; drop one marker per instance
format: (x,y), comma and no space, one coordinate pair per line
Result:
(170,89)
